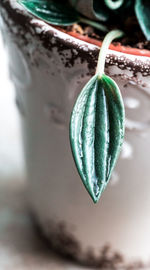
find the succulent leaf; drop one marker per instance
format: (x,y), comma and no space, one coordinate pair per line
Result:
(142,10)
(52,11)
(62,12)
(96,132)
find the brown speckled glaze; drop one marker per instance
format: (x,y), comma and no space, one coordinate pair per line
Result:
(125,63)
(67,246)
(51,40)
(49,69)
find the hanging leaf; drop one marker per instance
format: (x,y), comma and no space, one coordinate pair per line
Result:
(52,11)
(96,132)
(142,10)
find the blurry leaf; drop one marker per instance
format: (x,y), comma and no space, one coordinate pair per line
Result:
(142,10)
(113,4)
(95,10)
(52,11)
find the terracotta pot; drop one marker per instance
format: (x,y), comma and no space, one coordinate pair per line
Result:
(49,69)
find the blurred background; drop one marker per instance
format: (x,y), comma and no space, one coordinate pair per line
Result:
(11,161)
(21,247)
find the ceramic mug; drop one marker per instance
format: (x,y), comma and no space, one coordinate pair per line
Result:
(49,69)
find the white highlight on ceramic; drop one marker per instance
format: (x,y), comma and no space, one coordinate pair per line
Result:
(132,125)
(114,179)
(127,151)
(131,103)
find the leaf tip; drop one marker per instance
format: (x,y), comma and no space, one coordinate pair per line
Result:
(95,200)
(96,195)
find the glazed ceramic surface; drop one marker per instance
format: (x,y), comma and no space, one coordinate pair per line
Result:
(49,68)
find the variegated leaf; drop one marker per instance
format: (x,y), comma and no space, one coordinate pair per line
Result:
(52,11)
(96,132)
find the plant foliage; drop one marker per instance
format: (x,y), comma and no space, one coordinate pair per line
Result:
(97,13)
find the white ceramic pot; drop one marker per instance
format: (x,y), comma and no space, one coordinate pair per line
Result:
(49,69)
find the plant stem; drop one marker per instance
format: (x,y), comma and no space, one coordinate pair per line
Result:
(104,48)
(96,25)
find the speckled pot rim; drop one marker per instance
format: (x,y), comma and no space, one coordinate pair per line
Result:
(117,47)
(130,62)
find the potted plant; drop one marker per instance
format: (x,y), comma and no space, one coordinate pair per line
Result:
(52,58)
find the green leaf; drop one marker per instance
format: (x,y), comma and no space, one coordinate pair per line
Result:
(52,11)
(95,10)
(96,132)
(142,10)
(113,4)
(100,11)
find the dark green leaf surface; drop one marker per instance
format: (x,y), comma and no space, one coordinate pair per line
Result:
(95,10)
(96,132)
(52,11)
(62,12)
(100,11)
(142,9)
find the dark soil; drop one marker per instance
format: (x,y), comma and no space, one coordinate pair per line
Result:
(133,34)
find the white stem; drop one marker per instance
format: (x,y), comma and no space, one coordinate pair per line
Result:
(97,25)
(104,49)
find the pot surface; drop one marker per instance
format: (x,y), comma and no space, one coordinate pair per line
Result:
(49,68)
